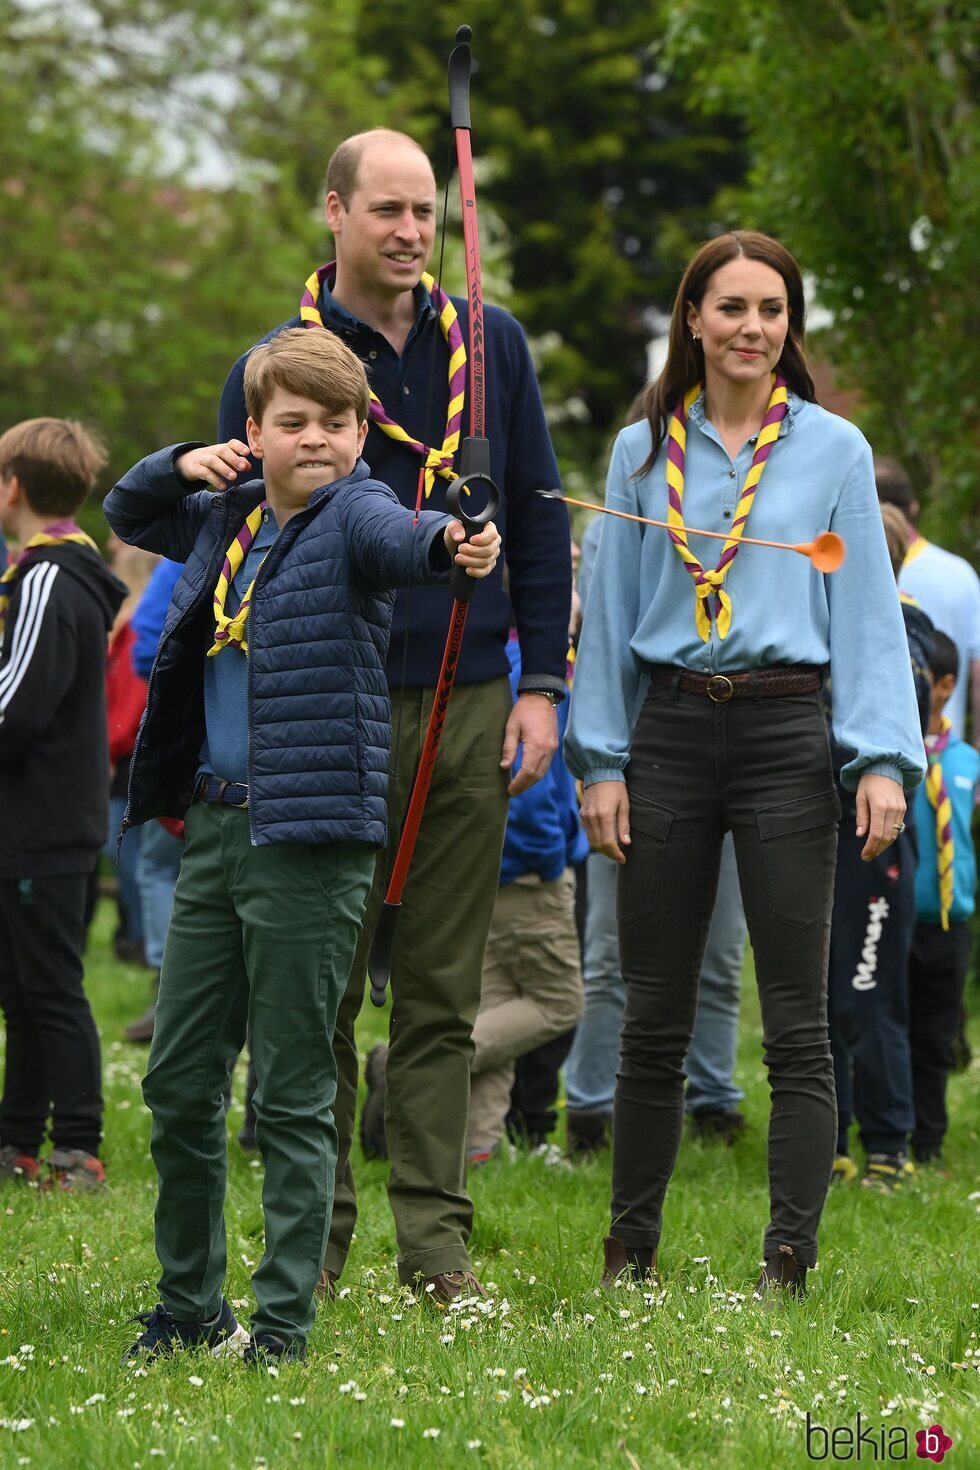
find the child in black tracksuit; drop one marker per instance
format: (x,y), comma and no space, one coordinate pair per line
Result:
(57,604)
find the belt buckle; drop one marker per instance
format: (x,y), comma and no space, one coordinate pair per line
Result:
(725,691)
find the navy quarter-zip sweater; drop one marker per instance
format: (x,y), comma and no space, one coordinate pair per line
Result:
(319,717)
(535,531)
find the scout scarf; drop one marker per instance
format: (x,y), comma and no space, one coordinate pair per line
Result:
(706,583)
(229,632)
(54,535)
(436,461)
(917,546)
(940,803)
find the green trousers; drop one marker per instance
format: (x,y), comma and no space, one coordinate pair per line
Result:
(261,939)
(437,967)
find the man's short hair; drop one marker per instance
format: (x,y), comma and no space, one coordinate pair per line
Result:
(345,161)
(894,486)
(945,657)
(56,461)
(312,363)
(896,534)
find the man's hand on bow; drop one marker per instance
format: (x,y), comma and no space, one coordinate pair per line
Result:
(533,723)
(479,554)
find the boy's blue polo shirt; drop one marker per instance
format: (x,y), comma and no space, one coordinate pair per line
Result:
(225,750)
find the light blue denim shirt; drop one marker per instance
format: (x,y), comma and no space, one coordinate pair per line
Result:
(641,601)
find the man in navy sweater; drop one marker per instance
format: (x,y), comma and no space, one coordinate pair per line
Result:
(381,210)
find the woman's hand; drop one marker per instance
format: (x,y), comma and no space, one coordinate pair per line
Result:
(606,817)
(479,554)
(218,464)
(880,813)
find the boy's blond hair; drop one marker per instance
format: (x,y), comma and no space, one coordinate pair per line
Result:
(56,461)
(312,363)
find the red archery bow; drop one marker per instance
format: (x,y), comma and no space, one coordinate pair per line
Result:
(474,472)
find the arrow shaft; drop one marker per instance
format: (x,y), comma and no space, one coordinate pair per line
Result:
(803,549)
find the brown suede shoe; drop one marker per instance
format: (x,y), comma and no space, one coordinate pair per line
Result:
(619,1267)
(782,1276)
(326,1287)
(449,1286)
(142,1028)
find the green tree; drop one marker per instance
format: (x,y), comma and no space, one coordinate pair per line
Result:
(863,128)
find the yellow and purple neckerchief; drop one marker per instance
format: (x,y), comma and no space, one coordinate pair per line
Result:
(57,534)
(229,632)
(916,547)
(436,461)
(708,583)
(941,805)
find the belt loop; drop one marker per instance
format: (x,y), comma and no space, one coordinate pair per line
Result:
(756,685)
(675,686)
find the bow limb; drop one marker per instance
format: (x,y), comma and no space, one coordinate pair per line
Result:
(474,472)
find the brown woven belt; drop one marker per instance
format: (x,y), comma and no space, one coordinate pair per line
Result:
(775,682)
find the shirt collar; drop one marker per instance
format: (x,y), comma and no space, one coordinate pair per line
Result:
(337,316)
(793,405)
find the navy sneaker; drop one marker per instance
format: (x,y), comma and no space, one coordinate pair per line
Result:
(266,1350)
(163,1335)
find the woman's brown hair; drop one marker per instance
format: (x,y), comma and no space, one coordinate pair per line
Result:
(685,358)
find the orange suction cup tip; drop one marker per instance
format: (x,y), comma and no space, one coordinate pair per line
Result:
(827,552)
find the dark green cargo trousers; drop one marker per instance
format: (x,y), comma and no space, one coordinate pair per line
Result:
(437,968)
(261,939)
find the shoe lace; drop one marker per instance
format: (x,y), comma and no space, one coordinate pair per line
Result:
(158,1323)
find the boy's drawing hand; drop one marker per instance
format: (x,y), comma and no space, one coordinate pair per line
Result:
(218,464)
(479,555)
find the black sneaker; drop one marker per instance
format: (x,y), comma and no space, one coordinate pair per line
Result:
(164,1335)
(721,1124)
(887,1173)
(265,1350)
(373,1140)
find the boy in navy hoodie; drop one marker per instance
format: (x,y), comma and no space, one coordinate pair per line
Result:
(267,729)
(57,603)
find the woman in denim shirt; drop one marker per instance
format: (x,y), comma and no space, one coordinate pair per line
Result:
(731,649)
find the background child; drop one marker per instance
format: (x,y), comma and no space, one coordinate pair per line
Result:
(268,724)
(945,894)
(57,604)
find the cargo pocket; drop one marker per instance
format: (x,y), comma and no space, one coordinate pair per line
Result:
(639,883)
(799,850)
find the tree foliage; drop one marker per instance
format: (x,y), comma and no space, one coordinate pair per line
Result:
(863,130)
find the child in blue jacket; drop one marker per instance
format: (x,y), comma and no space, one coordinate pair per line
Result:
(267,729)
(945,893)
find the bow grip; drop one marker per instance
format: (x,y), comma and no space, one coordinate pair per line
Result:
(474,474)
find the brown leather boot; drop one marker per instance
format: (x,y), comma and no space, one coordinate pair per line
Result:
(326,1287)
(782,1275)
(449,1286)
(638,1265)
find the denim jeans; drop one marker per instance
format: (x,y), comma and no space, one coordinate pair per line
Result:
(590,1072)
(156,874)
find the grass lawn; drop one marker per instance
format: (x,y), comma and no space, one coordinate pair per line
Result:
(552,1373)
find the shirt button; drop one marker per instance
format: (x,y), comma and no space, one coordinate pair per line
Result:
(731,474)
(372,355)
(726,514)
(405,391)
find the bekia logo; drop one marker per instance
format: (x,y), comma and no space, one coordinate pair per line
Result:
(866,1442)
(932,1443)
